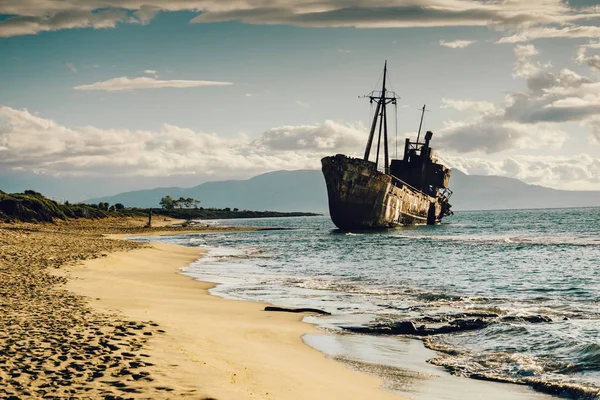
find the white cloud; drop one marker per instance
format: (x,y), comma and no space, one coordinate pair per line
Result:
(329,136)
(32,17)
(525,67)
(457,44)
(152,72)
(71,67)
(145,13)
(555,97)
(32,143)
(527,20)
(527,119)
(594,123)
(494,134)
(125,83)
(550,32)
(478,107)
(399,13)
(302,104)
(344,51)
(592,61)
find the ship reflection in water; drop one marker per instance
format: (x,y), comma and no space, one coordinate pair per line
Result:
(413,190)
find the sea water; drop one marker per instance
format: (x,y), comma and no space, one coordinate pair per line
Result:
(503,265)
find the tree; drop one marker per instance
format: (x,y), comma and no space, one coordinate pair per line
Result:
(180,202)
(119,206)
(167,203)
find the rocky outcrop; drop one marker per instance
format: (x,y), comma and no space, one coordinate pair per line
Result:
(452,325)
(408,328)
(534,319)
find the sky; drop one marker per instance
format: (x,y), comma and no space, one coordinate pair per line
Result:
(99,97)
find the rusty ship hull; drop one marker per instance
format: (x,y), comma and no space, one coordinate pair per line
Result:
(408,191)
(361,197)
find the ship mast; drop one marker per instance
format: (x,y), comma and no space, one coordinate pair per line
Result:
(382,99)
(421,123)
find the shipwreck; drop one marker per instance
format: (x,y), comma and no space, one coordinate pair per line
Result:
(384,193)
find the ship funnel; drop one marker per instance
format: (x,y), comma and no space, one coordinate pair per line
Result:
(428,137)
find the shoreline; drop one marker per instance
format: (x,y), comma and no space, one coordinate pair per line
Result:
(214,347)
(410,374)
(73,341)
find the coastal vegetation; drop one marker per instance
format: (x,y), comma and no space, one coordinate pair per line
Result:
(187,208)
(32,206)
(168,203)
(224,213)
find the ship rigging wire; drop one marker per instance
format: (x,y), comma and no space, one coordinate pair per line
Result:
(396,125)
(370,112)
(391,89)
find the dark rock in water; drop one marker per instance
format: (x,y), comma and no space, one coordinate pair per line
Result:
(469,324)
(534,319)
(438,297)
(403,328)
(480,315)
(297,310)
(396,328)
(433,319)
(457,325)
(408,328)
(363,329)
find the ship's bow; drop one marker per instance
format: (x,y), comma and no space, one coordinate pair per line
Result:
(355,189)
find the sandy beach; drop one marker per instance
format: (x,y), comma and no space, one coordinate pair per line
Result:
(90,317)
(212,347)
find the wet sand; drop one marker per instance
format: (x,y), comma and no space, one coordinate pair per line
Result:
(402,362)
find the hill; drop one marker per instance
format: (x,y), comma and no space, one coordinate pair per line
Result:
(478,192)
(304,190)
(286,191)
(31,206)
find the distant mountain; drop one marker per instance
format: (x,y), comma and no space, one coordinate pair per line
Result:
(478,192)
(301,190)
(304,190)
